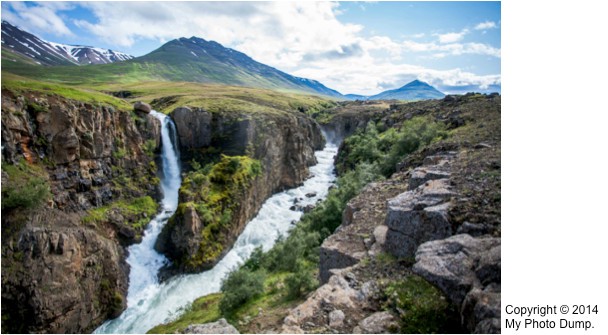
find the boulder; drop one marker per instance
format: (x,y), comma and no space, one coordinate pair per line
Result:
(336,318)
(481,311)
(417,216)
(220,326)
(339,251)
(467,270)
(423,174)
(377,323)
(142,107)
(474,229)
(185,236)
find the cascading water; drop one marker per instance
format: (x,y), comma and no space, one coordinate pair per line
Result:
(143,259)
(152,303)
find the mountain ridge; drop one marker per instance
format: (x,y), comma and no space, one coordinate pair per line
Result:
(38,51)
(209,61)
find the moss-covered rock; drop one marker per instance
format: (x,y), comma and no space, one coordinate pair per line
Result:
(235,163)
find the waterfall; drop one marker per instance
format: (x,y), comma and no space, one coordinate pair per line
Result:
(143,259)
(157,303)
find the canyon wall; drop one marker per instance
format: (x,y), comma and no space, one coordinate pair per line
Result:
(63,270)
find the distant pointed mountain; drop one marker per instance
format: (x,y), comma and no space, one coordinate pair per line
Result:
(33,50)
(196,59)
(415,90)
(356,97)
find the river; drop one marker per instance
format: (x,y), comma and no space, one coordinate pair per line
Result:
(150,303)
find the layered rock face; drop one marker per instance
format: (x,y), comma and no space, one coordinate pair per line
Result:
(61,277)
(467,269)
(420,214)
(79,144)
(284,143)
(60,274)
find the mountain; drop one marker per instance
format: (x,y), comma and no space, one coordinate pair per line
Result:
(416,90)
(184,59)
(18,44)
(199,60)
(356,97)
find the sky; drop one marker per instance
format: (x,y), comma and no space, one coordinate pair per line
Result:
(353,47)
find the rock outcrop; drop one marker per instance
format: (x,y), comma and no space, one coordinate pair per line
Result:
(61,277)
(220,326)
(142,107)
(283,143)
(60,273)
(359,235)
(336,306)
(420,214)
(81,146)
(377,323)
(467,270)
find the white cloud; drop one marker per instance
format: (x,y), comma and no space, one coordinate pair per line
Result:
(37,18)
(454,49)
(486,25)
(452,37)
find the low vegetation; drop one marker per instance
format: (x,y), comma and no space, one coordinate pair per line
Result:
(202,310)
(384,148)
(27,186)
(139,209)
(216,98)
(421,307)
(19,84)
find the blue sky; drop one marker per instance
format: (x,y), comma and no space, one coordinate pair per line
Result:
(354,47)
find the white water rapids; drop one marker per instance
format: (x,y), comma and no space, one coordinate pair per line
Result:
(150,303)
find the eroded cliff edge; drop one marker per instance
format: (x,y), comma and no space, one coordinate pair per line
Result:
(259,154)
(78,180)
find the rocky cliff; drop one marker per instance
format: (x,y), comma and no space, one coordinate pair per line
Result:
(66,164)
(419,251)
(261,153)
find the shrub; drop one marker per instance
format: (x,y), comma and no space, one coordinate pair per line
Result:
(387,148)
(239,287)
(302,280)
(414,134)
(150,148)
(421,307)
(26,187)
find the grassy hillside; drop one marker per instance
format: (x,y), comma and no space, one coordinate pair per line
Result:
(17,84)
(166,96)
